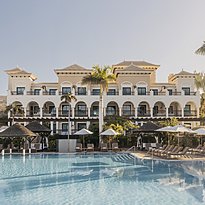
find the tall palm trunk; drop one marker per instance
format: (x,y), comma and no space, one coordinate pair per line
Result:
(68,121)
(101,115)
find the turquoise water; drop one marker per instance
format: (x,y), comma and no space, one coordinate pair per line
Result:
(94,179)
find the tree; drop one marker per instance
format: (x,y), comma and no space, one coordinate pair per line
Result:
(200,85)
(100,76)
(68,98)
(15,108)
(201,50)
(172,122)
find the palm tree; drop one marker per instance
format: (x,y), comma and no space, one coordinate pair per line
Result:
(68,98)
(15,108)
(201,50)
(200,85)
(100,76)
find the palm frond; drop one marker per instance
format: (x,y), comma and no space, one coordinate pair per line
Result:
(201,50)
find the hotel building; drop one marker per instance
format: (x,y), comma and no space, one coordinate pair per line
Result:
(135,95)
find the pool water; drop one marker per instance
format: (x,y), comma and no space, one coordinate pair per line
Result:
(92,179)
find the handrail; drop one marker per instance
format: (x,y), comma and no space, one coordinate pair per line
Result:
(133,147)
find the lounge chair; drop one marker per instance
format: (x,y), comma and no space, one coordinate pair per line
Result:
(78,147)
(182,153)
(152,149)
(104,147)
(167,149)
(176,150)
(115,147)
(90,147)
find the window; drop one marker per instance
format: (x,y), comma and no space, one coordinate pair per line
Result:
(95,111)
(20,90)
(65,109)
(141,90)
(81,91)
(126,91)
(52,91)
(171,110)
(170,91)
(52,110)
(155,110)
(81,125)
(96,91)
(64,127)
(111,92)
(127,109)
(142,110)
(81,110)
(155,92)
(111,110)
(37,91)
(66,90)
(186,90)
(187,109)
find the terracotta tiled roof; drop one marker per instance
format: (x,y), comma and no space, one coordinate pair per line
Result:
(184,73)
(73,67)
(132,67)
(136,63)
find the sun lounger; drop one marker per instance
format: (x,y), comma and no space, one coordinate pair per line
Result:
(103,147)
(176,150)
(115,147)
(151,149)
(90,147)
(168,148)
(78,147)
(182,153)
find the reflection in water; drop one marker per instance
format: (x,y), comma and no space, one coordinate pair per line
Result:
(43,171)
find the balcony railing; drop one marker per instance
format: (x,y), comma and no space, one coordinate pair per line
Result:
(159,113)
(30,113)
(142,113)
(128,113)
(175,113)
(64,113)
(188,113)
(81,113)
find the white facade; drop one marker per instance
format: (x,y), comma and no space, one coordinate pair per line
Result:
(135,95)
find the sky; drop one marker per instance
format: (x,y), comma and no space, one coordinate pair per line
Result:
(41,35)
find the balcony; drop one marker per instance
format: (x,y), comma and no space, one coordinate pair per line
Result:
(64,113)
(190,113)
(31,113)
(81,113)
(175,113)
(94,113)
(144,113)
(128,113)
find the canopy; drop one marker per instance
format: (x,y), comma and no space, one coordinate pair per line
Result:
(200,131)
(17,130)
(164,129)
(180,128)
(3,128)
(109,132)
(148,127)
(35,126)
(83,132)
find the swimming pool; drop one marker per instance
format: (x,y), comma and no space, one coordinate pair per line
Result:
(92,179)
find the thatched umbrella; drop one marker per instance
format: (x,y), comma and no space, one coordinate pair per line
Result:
(17,130)
(39,129)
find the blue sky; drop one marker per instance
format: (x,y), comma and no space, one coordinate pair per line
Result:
(41,35)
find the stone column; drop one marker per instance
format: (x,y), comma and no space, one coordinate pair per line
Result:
(56,112)
(41,112)
(51,127)
(136,110)
(182,111)
(167,112)
(120,111)
(88,112)
(151,112)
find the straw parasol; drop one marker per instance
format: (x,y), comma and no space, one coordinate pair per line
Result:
(39,129)
(17,130)
(83,132)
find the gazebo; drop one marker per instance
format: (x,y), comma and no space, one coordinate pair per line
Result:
(39,130)
(17,131)
(147,130)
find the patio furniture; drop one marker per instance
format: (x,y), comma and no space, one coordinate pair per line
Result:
(115,147)
(103,147)
(79,147)
(90,147)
